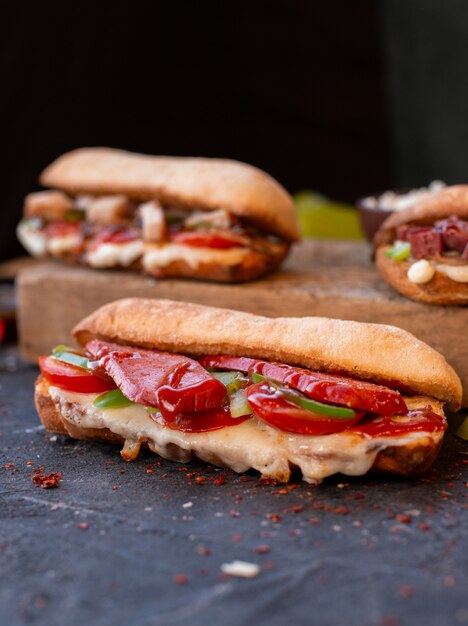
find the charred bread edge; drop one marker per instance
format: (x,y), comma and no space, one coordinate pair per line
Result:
(411,458)
(439,290)
(374,352)
(198,183)
(440,205)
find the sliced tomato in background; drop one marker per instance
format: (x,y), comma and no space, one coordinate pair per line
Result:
(201,421)
(61,229)
(268,405)
(199,239)
(72,378)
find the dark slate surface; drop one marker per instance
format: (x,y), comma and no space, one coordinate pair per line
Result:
(107,545)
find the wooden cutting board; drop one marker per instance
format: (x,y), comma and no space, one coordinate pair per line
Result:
(321,277)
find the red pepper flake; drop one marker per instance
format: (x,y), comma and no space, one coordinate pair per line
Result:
(9,465)
(424,527)
(297,508)
(183,469)
(220,480)
(342,510)
(314,520)
(264,548)
(203,551)
(359,496)
(275,517)
(406,591)
(403,519)
(150,471)
(449,581)
(389,620)
(180,579)
(235,514)
(114,487)
(47,481)
(236,538)
(200,480)
(269,565)
(245,479)
(82,525)
(29,463)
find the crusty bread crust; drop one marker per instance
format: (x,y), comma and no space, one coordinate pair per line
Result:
(439,290)
(409,459)
(373,352)
(436,206)
(196,183)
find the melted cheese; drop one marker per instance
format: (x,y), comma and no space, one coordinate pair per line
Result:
(113,254)
(161,256)
(457,273)
(251,444)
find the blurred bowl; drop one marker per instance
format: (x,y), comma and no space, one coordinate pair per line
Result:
(371,219)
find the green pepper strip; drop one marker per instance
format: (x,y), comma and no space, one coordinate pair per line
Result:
(113,399)
(70,357)
(400,251)
(305,403)
(233,381)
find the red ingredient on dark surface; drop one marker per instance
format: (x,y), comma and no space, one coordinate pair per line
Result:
(200,422)
(276,411)
(61,229)
(47,481)
(114,234)
(319,386)
(171,382)
(2,330)
(72,378)
(199,239)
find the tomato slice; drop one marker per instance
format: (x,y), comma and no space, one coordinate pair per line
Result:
(269,406)
(328,388)
(417,420)
(200,239)
(72,378)
(201,421)
(61,229)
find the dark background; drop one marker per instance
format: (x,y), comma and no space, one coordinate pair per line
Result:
(341,97)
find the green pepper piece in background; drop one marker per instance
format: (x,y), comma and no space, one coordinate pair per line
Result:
(305,403)
(321,217)
(113,399)
(400,251)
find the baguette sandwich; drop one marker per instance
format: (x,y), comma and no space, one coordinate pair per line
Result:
(422,251)
(243,391)
(208,219)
